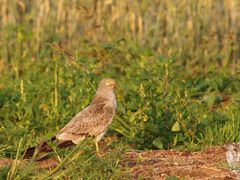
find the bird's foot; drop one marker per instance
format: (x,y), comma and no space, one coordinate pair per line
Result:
(100,154)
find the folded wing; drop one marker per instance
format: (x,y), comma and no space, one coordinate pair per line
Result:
(91,121)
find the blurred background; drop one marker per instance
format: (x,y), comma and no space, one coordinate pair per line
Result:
(176,62)
(197,32)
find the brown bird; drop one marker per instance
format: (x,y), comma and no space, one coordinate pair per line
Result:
(91,121)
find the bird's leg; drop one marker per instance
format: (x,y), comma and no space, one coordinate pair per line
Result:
(97,150)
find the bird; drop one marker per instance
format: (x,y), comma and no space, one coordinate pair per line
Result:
(92,121)
(238,152)
(231,155)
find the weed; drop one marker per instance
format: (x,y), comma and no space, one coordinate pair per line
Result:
(175,62)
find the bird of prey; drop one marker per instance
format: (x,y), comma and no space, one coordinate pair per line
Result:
(91,121)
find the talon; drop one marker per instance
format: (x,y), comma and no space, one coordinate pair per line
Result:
(100,154)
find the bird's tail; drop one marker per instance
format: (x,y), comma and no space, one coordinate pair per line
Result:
(44,147)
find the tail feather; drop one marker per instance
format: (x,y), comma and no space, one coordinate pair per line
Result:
(44,147)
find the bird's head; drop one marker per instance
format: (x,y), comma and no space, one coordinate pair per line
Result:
(105,92)
(107,84)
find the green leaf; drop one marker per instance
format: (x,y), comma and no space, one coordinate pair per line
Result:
(158,143)
(176,127)
(172,178)
(210,99)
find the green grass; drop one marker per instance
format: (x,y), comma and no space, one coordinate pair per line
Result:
(178,83)
(160,105)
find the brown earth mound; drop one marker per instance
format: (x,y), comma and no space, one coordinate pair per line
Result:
(207,164)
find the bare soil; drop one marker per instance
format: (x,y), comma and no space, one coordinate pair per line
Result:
(159,164)
(208,164)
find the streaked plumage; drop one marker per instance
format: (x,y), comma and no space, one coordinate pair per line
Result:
(233,155)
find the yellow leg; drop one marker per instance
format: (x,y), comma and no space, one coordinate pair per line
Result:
(97,150)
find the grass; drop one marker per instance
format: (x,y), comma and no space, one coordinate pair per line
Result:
(177,73)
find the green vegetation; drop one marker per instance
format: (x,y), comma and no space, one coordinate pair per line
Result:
(176,64)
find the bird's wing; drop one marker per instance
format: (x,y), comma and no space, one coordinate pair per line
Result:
(91,121)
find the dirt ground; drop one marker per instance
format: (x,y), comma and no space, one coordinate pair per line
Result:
(207,164)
